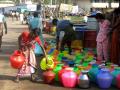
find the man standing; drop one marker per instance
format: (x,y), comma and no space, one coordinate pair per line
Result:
(21,18)
(36,22)
(13,15)
(2,22)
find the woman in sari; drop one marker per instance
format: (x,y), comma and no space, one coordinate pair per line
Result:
(26,45)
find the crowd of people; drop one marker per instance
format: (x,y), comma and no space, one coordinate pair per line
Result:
(23,17)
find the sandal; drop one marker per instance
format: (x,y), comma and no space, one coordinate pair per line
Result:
(35,78)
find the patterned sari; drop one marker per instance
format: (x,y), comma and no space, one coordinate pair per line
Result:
(30,61)
(29,64)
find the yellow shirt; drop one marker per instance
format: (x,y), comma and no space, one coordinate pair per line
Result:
(54,29)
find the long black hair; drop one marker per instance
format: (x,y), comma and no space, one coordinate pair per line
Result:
(54,21)
(100,16)
(35,32)
(35,14)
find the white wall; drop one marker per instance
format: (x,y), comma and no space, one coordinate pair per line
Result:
(86,4)
(6,5)
(100,5)
(115,5)
(104,5)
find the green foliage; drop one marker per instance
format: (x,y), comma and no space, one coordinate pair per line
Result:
(47,1)
(15,1)
(76,19)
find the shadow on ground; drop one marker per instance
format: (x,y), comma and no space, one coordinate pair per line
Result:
(93,86)
(7,77)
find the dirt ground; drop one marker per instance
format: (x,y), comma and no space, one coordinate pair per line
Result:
(7,73)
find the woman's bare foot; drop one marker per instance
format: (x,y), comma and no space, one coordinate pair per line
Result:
(17,80)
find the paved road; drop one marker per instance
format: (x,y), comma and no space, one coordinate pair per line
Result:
(7,74)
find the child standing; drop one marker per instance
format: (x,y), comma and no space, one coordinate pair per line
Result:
(102,37)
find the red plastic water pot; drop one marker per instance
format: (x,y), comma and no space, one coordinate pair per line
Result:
(17,59)
(48,76)
(118,81)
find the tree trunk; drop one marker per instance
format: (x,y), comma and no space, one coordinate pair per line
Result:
(43,8)
(109,1)
(119,3)
(58,9)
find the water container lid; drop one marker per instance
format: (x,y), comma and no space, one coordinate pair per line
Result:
(117,68)
(69,69)
(65,66)
(94,65)
(84,71)
(64,57)
(93,62)
(105,69)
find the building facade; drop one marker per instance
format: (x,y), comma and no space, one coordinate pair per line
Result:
(89,5)
(6,3)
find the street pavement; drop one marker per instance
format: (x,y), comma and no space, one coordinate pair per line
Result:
(7,73)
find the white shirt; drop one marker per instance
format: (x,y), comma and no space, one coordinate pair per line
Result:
(85,18)
(17,13)
(21,17)
(1,18)
(62,33)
